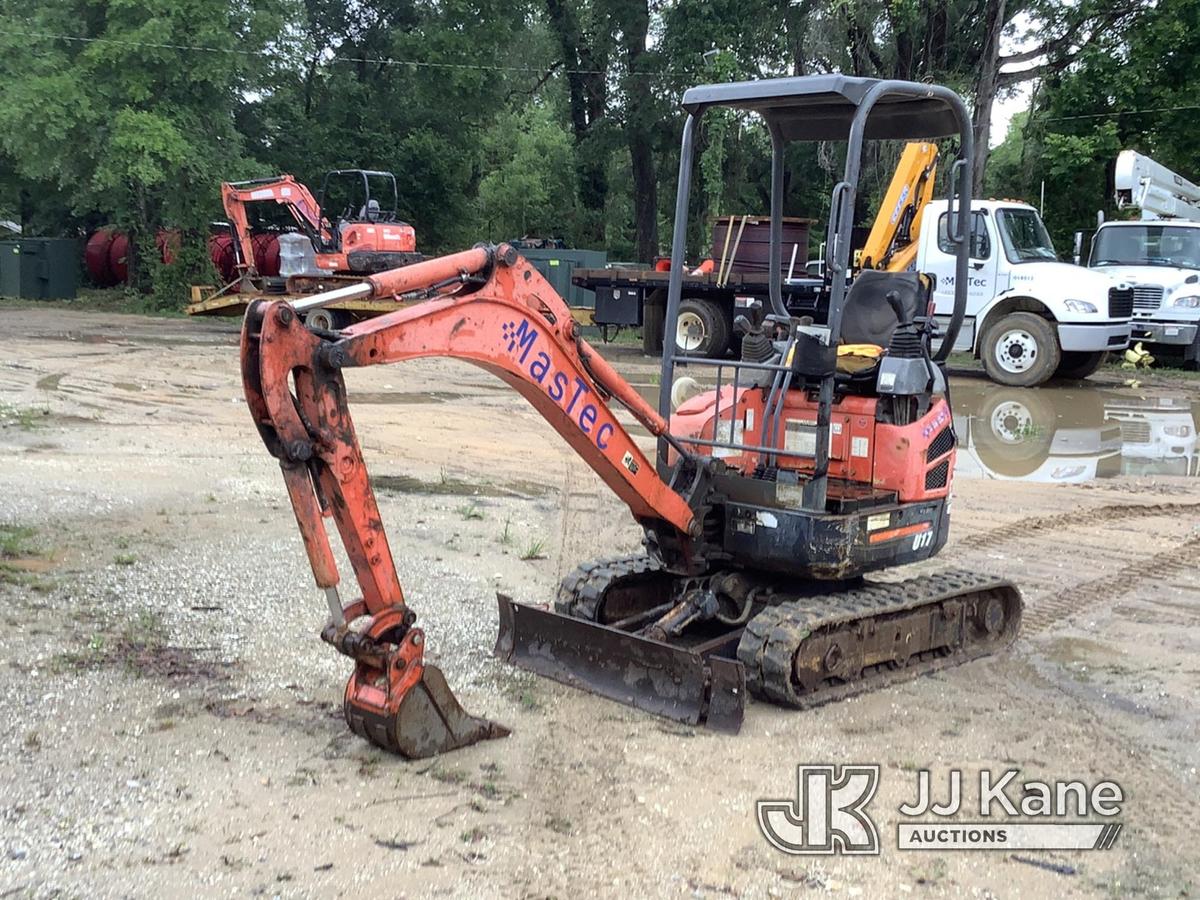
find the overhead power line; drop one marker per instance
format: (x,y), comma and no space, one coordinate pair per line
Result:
(1118,112)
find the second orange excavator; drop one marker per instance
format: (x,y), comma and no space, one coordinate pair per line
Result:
(823,454)
(363,237)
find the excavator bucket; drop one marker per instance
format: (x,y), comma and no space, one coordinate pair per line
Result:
(430,720)
(675,682)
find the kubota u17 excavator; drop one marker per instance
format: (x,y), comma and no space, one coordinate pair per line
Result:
(823,453)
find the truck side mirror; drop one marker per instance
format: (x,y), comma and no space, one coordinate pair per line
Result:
(1078,251)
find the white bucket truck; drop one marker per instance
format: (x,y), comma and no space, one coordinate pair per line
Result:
(1158,254)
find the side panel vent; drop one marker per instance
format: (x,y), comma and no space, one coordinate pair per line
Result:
(937,477)
(942,444)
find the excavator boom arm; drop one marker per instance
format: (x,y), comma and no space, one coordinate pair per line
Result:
(892,242)
(513,325)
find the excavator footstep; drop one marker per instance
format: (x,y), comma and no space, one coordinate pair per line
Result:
(650,675)
(430,721)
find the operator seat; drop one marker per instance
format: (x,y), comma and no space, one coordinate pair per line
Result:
(868,318)
(868,322)
(370,212)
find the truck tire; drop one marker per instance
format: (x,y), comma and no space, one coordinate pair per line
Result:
(701,329)
(328,319)
(1079,364)
(1013,431)
(1020,350)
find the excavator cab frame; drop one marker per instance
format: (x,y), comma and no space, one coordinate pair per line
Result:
(817,108)
(363,212)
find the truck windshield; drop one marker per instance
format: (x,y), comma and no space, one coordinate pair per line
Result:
(1147,245)
(1024,236)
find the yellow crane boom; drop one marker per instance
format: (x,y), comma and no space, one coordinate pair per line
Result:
(892,243)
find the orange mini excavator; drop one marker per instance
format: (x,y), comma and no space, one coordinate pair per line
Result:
(824,453)
(363,237)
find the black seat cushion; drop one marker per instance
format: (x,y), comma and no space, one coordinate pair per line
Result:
(868,318)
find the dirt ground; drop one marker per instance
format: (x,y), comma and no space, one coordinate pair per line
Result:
(173,719)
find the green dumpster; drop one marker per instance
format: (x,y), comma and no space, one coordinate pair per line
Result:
(556,266)
(39,268)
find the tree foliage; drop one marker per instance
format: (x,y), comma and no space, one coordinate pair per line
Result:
(549,117)
(1137,88)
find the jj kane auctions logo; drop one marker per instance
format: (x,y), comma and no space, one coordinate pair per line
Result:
(829,815)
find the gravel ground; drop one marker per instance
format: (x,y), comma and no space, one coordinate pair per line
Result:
(174,722)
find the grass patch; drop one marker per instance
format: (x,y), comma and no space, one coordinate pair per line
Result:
(470,511)
(506,538)
(534,550)
(447,776)
(138,645)
(124,559)
(16,541)
(17,544)
(26,418)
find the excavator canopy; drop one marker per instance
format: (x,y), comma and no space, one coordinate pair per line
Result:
(822,107)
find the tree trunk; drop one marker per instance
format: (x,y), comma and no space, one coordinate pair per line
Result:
(796,19)
(985,89)
(639,118)
(588,100)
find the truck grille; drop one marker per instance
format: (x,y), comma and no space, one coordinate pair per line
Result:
(1120,303)
(1135,431)
(1147,297)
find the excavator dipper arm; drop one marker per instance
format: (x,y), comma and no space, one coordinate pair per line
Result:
(515,326)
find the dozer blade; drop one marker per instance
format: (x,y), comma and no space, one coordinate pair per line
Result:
(430,721)
(660,678)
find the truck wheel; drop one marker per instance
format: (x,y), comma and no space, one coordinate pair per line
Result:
(1020,350)
(1079,364)
(327,319)
(1013,431)
(701,329)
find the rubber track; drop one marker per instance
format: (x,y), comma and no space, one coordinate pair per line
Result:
(581,590)
(1116,512)
(772,638)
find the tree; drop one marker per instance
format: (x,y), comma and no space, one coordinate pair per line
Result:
(1136,87)
(128,124)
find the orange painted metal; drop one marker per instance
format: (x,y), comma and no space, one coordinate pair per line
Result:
(892,534)
(861,450)
(428,272)
(514,326)
(518,328)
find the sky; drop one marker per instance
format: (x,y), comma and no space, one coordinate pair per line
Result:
(1003,111)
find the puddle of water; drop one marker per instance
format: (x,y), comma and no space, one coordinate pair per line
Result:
(1066,434)
(407,484)
(1072,434)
